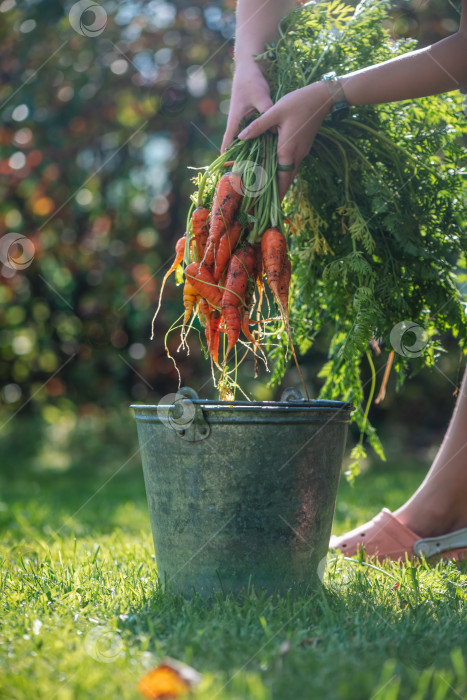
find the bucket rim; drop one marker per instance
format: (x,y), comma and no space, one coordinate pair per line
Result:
(300,405)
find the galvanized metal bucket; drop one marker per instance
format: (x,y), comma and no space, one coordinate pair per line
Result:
(241,494)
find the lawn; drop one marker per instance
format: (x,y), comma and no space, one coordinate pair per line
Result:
(83,617)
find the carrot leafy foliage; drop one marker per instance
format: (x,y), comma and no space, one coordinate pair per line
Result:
(377,211)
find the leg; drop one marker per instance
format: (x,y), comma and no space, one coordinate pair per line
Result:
(439,505)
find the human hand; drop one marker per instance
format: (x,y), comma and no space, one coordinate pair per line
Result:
(297,118)
(250,93)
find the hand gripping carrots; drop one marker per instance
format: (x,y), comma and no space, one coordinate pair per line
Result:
(235,233)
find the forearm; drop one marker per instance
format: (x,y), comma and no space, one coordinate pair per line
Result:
(298,115)
(257,22)
(429,71)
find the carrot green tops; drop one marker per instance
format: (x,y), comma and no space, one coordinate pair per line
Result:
(377,212)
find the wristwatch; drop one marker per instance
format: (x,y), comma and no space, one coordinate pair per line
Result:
(340,106)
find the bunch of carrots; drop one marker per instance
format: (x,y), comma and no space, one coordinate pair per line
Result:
(234,236)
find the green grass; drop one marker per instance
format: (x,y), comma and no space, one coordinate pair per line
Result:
(82,615)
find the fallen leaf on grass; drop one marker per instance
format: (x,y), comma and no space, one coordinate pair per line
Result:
(171,679)
(162,682)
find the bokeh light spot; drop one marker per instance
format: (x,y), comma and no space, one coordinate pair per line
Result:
(11,393)
(84,197)
(17,161)
(137,351)
(27,26)
(20,113)
(43,206)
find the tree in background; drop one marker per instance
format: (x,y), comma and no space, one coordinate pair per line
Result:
(102,108)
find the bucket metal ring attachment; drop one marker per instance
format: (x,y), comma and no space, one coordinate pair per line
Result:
(185,416)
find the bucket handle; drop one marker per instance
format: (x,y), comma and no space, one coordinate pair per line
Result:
(187,417)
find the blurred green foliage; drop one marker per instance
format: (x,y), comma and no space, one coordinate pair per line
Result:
(98,123)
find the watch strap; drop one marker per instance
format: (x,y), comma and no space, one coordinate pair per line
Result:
(340,106)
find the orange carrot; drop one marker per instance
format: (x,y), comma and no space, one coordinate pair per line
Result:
(225,248)
(246,327)
(203,307)
(224,205)
(284,285)
(233,324)
(202,281)
(199,221)
(276,266)
(241,277)
(274,252)
(212,318)
(249,296)
(214,322)
(254,271)
(273,249)
(209,256)
(179,253)
(190,297)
